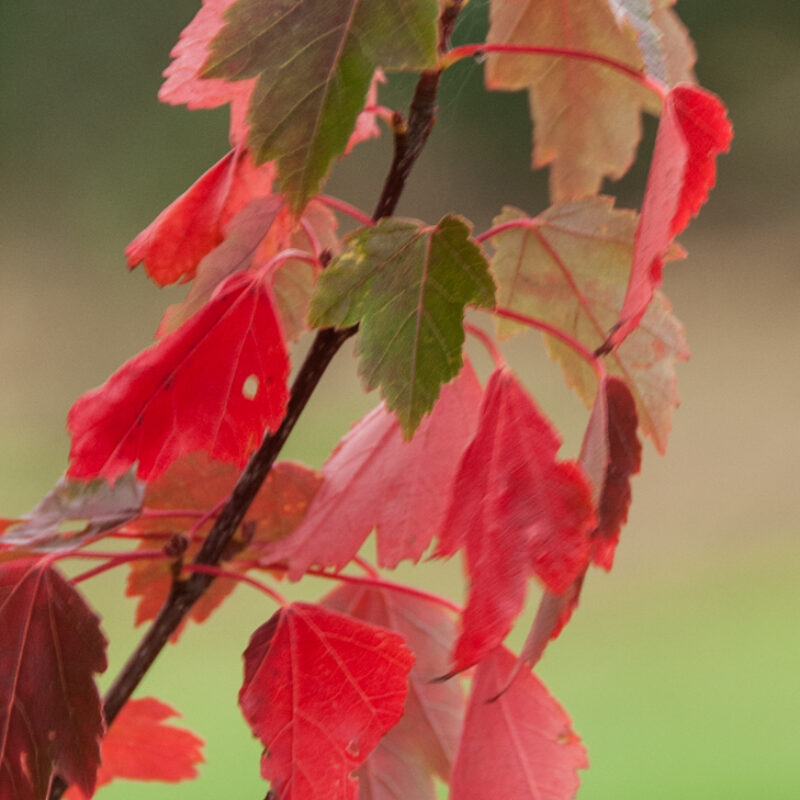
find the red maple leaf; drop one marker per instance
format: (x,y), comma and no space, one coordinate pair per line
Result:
(140,747)
(50,713)
(611,455)
(320,689)
(521,745)
(424,741)
(517,511)
(693,131)
(375,479)
(173,245)
(214,384)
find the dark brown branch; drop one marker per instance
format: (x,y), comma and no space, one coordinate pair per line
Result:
(410,139)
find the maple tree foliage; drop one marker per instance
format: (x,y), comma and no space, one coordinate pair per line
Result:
(174,458)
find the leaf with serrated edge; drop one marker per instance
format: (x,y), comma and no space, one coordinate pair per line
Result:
(519,746)
(569,267)
(407,285)
(196,483)
(587,116)
(314,61)
(140,746)
(694,129)
(320,689)
(89,510)
(424,741)
(374,479)
(50,713)
(516,511)
(189,391)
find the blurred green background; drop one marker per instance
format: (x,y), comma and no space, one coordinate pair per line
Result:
(681,669)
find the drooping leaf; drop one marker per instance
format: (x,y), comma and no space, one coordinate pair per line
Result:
(613,422)
(407,285)
(610,456)
(196,483)
(517,511)
(172,246)
(586,115)
(423,743)
(74,513)
(569,267)
(50,713)
(183,84)
(314,61)
(519,746)
(139,746)
(190,391)
(374,479)
(320,689)
(694,129)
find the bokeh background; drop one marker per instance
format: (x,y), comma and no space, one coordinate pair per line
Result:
(681,668)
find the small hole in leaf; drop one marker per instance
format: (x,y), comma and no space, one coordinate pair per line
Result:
(250,387)
(353,748)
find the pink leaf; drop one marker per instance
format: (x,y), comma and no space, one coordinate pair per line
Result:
(319,691)
(517,511)
(140,747)
(50,713)
(375,479)
(214,384)
(519,746)
(693,131)
(424,741)
(183,84)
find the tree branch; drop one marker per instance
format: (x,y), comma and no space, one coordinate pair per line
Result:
(409,143)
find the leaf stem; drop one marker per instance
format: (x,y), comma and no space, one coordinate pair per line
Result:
(117,561)
(486,340)
(533,322)
(479,49)
(346,208)
(220,572)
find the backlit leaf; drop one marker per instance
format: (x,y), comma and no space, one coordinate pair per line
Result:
(190,391)
(407,285)
(569,267)
(140,747)
(586,115)
(314,61)
(374,479)
(694,129)
(423,743)
(320,689)
(172,246)
(74,513)
(520,745)
(517,511)
(50,713)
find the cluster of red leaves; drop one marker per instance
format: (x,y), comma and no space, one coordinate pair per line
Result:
(362,695)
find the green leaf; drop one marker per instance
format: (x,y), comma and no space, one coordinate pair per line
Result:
(315,60)
(407,285)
